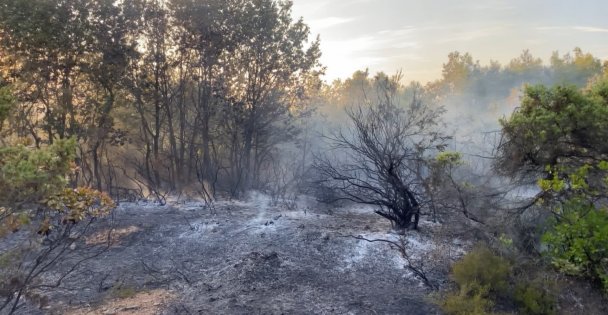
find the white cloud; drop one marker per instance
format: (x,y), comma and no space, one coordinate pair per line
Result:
(591,29)
(328,22)
(499,5)
(586,29)
(408,30)
(471,35)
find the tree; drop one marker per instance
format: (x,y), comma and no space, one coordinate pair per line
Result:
(557,138)
(525,63)
(269,69)
(381,159)
(458,70)
(561,126)
(577,69)
(217,87)
(69,60)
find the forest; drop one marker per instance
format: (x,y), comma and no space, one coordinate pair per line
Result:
(141,140)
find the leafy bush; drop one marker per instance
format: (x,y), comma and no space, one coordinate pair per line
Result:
(480,275)
(485,279)
(29,175)
(535,298)
(470,299)
(578,243)
(33,183)
(483,267)
(560,126)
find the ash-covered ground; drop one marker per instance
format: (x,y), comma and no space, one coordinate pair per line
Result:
(248,258)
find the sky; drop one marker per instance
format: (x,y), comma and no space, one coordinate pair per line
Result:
(415,36)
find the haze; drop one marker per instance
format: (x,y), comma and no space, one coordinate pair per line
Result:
(303,157)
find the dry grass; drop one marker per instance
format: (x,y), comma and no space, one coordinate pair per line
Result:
(150,302)
(112,237)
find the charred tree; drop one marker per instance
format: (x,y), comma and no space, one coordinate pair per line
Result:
(381,158)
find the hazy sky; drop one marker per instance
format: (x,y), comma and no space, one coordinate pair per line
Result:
(417,35)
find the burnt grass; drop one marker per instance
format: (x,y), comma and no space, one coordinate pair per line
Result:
(244,258)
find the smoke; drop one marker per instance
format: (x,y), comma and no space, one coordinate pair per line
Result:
(474,99)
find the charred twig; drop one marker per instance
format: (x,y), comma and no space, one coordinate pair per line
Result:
(401,247)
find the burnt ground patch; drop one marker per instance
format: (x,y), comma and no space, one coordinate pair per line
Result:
(243,258)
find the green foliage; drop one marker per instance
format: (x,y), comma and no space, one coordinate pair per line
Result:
(31,178)
(560,126)
(449,158)
(480,275)
(33,184)
(575,181)
(483,267)
(29,175)
(442,166)
(485,279)
(535,298)
(471,299)
(75,205)
(525,63)
(554,183)
(496,84)
(6,104)
(578,243)
(560,133)
(575,69)
(458,70)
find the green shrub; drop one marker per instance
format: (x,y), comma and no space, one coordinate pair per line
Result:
(483,267)
(31,175)
(34,195)
(535,298)
(480,275)
(578,244)
(470,299)
(487,281)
